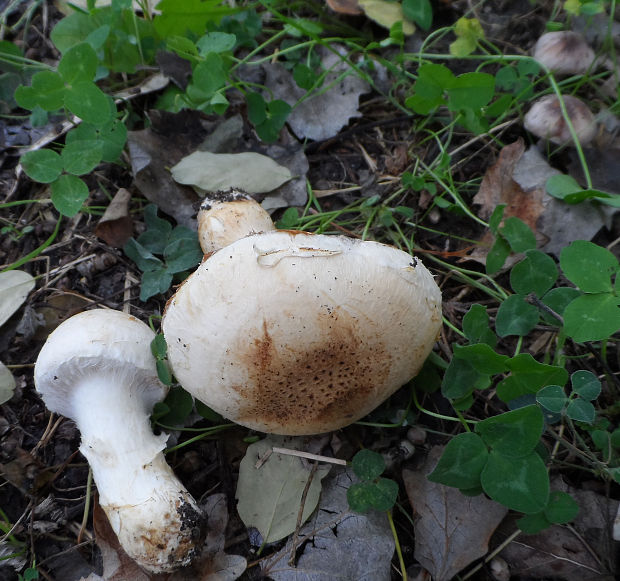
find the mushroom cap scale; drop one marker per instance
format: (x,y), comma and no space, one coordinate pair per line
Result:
(296,333)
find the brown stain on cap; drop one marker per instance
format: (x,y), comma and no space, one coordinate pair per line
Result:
(317,385)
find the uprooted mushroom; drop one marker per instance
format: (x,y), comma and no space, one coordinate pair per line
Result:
(97,368)
(297,333)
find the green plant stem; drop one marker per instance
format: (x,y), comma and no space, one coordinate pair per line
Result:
(399,552)
(89,485)
(36,251)
(207,432)
(460,418)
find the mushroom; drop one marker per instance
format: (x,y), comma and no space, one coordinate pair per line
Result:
(545,119)
(97,368)
(564,52)
(227,216)
(296,333)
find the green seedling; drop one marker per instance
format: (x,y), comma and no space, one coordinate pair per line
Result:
(178,248)
(374,491)
(577,405)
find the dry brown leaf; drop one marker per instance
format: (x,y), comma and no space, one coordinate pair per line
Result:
(116,225)
(582,552)
(451,529)
(344,6)
(117,565)
(499,187)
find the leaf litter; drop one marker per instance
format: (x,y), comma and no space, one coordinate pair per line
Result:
(272,487)
(451,530)
(336,544)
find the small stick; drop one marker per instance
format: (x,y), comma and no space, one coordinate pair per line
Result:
(309,456)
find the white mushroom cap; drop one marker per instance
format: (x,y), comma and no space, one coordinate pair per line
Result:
(564,52)
(545,119)
(97,368)
(297,333)
(227,216)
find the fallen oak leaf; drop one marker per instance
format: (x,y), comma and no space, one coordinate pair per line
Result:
(451,530)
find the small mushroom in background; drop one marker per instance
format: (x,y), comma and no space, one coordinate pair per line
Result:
(564,52)
(97,369)
(296,333)
(227,216)
(545,120)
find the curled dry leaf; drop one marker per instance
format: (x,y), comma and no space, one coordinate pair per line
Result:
(344,6)
(386,14)
(248,171)
(7,384)
(451,530)
(14,288)
(116,225)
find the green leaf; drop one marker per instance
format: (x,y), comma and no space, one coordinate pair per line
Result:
(72,30)
(469,32)
(47,90)
(518,234)
(585,384)
(589,266)
(368,464)
(182,254)
(88,102)
(497,255)
(159,348)
(189,16)
(557,299)
(515,316)
(163,371)
(592,317)
(419,11)
(364,496)
(528,377)
(581,411)
(143,258)
(216,42)
(68,194)
(471,91)
(482,358)
(532,524)
(180,404)
(462,462)
(461,379)
(561,185)
(209,77)
(552,398)
(536,273)
(112,136)
(476,326)
(81,157)
(515,433)
(304,76)
(79,63)
(496,218)
(561,508)
(257,108)
(154,282)
(519,483)
(42,165)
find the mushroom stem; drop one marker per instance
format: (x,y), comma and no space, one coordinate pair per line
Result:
(226,217)
(145,503)
(97,369)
